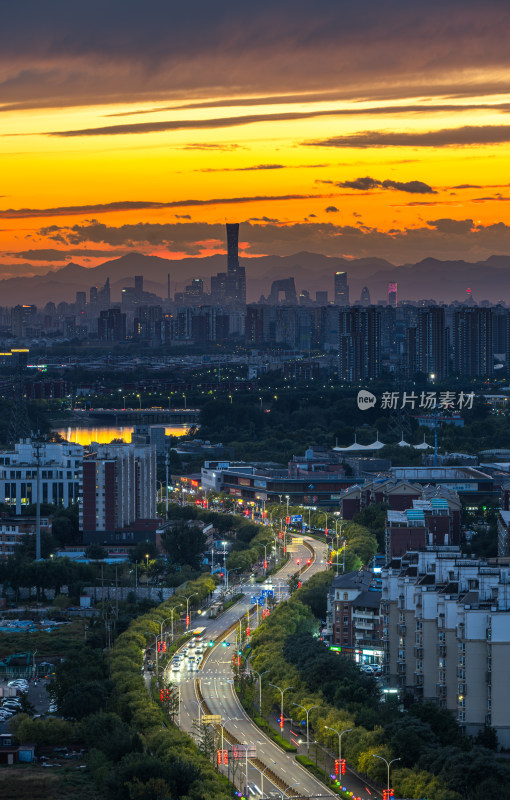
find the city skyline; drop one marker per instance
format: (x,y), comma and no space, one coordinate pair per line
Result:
(347,132)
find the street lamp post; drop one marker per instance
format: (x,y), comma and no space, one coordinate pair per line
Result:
(307,712)
(282,692)
(188,598)
(156,639)
(347,730)
(289,787)
(388,764)
(259,676)
(172,612)
(262,775)
(287,499)
(227,573)
(167,464)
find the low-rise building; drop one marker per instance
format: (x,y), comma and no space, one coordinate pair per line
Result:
(56,468)
(14,529)
(353,621)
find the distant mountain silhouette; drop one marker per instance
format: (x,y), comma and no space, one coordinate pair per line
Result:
(429,278)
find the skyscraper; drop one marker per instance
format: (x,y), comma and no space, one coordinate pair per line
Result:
(432,343)
(359,344)
(392,294)
(235,293)
(341,289)
(473,342)
(365,296)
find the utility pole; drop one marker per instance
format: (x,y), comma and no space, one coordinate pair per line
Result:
(37,447)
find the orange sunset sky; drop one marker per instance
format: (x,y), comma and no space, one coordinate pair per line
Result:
(355,130)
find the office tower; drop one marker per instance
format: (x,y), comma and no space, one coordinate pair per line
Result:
(195,291)
(392,294)
(218,288)
(432,343)
(472,341)
(81,301)
(93,298)
(365,296)
(139,285)
(341,289)
(321,298)
(359,344)
(111,325)
(236,275)
(168,287)
(22,317)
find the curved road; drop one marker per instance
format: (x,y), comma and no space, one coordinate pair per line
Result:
(216,687)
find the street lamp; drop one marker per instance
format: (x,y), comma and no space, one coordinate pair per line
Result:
(140,400)
(307,712)
(287,499)
(185,401)
(167,464)
(156,639)
(262,775)
(282,692)
(388,764)
(348,730)
(289,787)
(227,573)
(259,676)
(188,598)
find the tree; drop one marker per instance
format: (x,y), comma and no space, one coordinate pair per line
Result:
(96,552)
(185,544)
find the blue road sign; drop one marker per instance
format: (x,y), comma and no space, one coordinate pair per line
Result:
(296,518)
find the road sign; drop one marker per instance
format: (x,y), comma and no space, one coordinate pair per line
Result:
(254,600)
(267,592)
(296,518)
(244,750)
(211,719)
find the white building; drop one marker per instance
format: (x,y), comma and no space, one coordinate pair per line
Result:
(60,474)
(446,633)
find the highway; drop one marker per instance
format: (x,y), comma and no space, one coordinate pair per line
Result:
(212,688)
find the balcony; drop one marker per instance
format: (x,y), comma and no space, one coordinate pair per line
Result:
(441,649)
(418,652)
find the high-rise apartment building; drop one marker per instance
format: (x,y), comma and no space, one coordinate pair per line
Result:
(431,355)
(359,349)
(119,486)
(446,634)
(111,325)
(341,289)
(472,342)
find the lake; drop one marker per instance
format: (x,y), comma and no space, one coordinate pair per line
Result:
(103,434)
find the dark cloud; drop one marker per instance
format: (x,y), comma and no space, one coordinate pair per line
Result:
(182,216)
(123,51)
(364,184)
(441,238)
(132,205)
(466,186)
(456,226)
(331,210)
(193,124)
(50,254)
(446,137)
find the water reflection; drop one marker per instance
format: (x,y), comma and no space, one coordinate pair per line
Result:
(105,434)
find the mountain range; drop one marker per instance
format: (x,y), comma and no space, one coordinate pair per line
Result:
(427,279)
